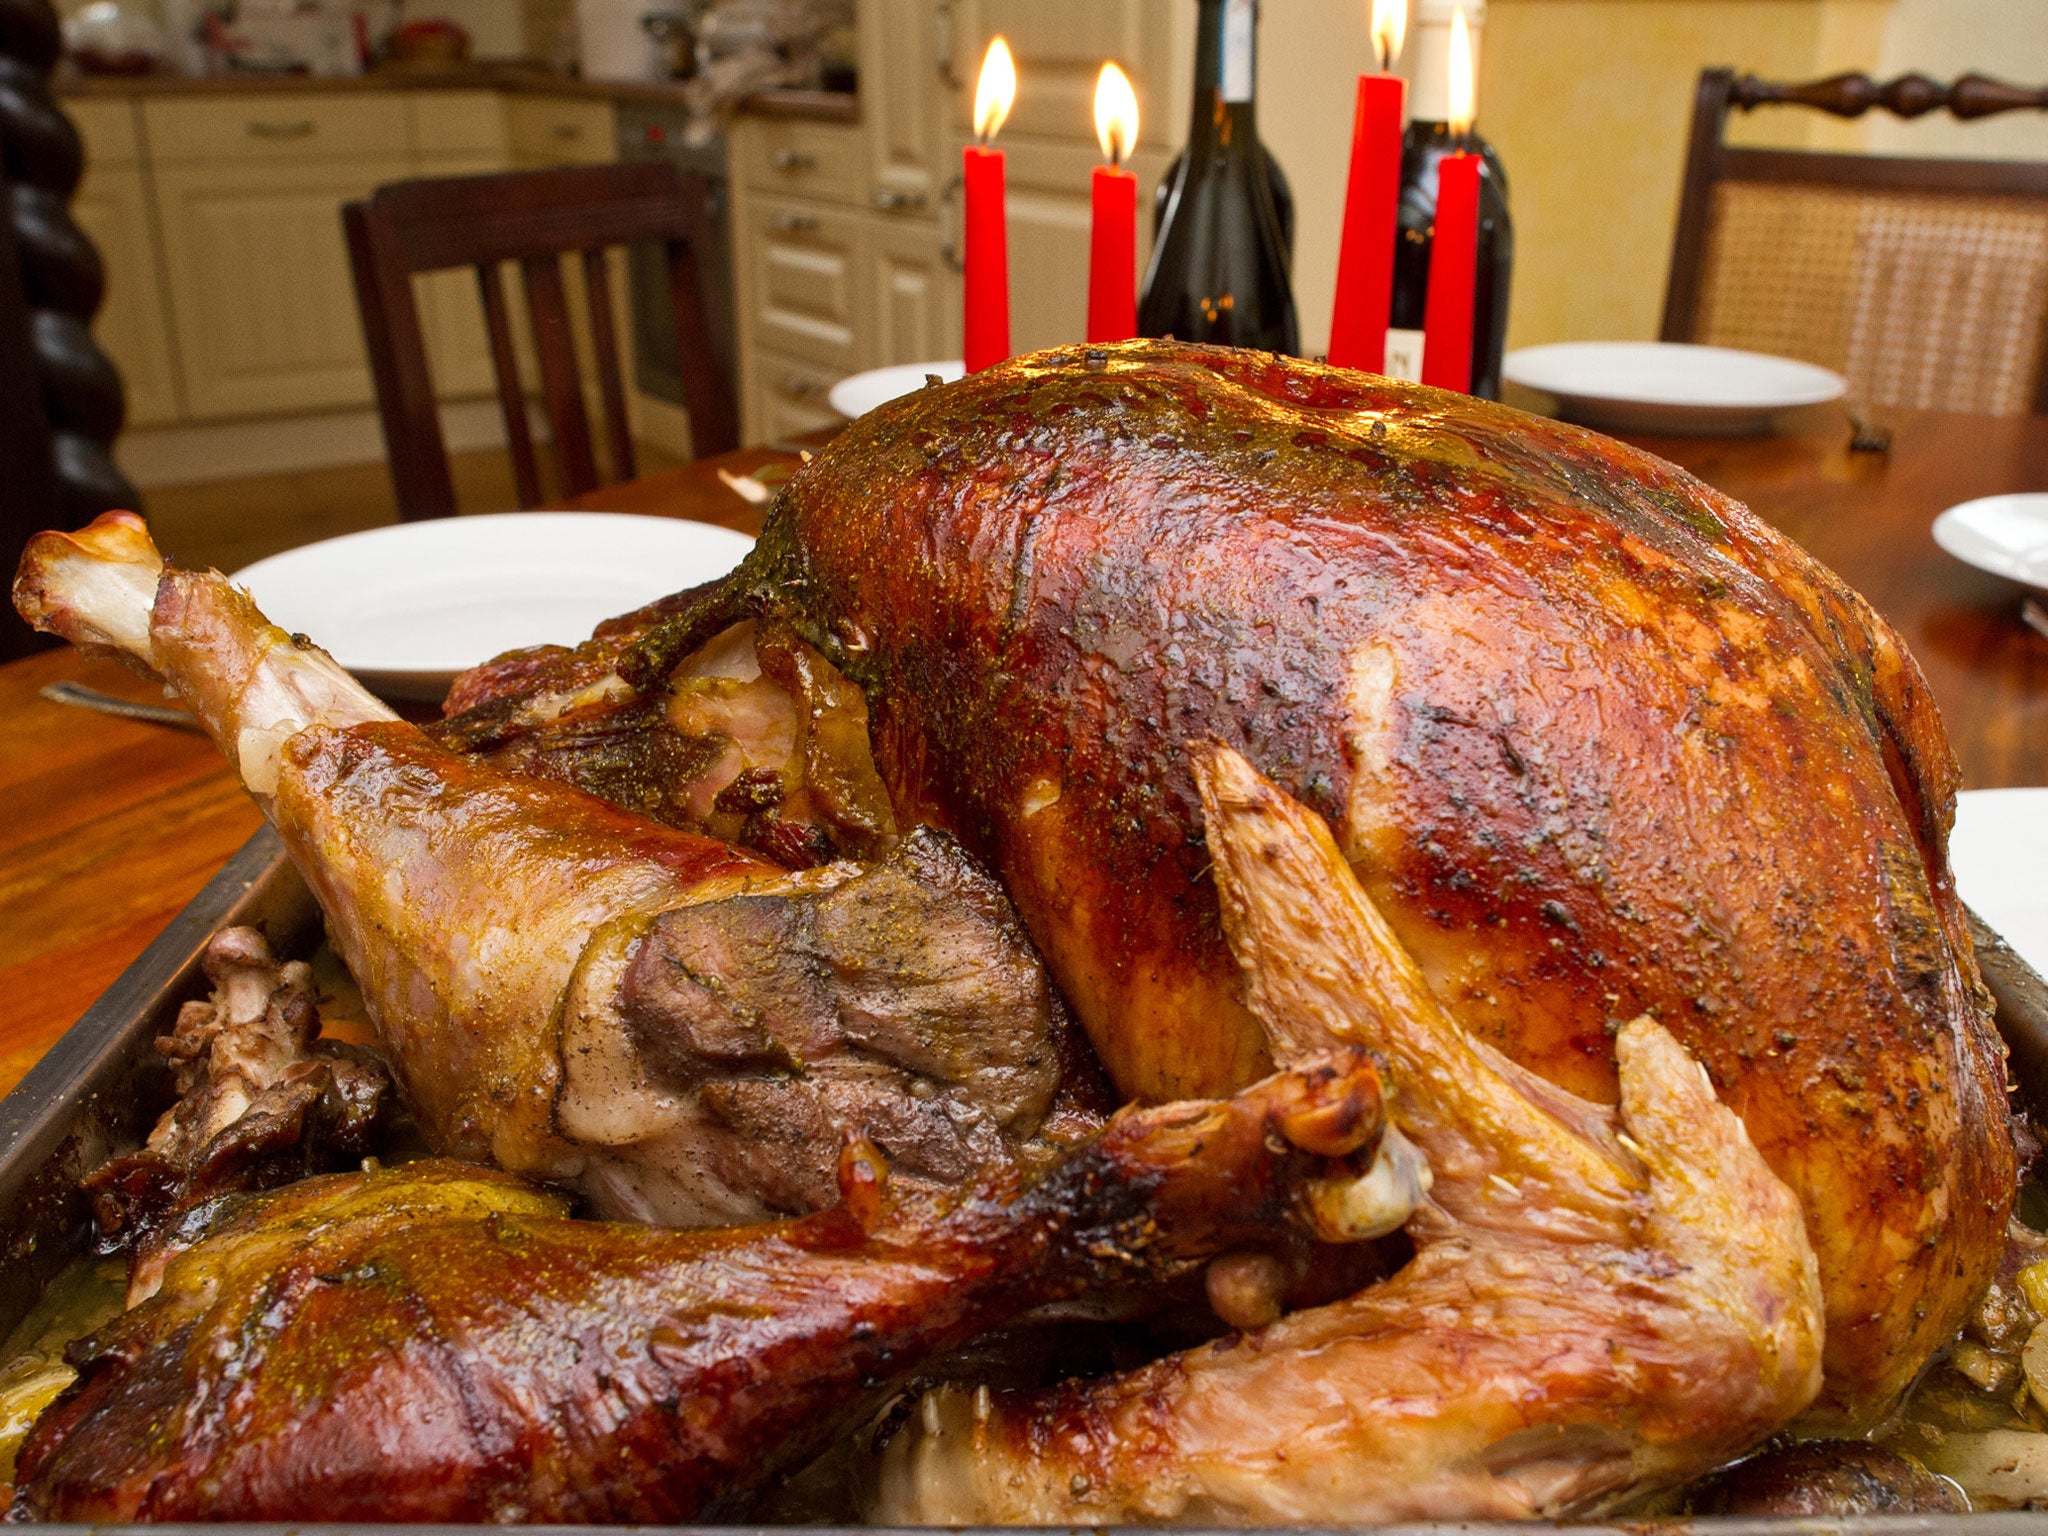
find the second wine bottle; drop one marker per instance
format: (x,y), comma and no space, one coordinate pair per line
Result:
(1219,270)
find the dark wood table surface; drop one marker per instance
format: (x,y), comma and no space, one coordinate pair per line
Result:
(111,826)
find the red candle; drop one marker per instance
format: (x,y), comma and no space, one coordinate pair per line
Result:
(1113,256)
(986,328)
(1453,273)
(1454,247)
(1113,232)
(1365,259)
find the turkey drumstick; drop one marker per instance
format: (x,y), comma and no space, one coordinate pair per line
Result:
(1602,1301)
(435,1342)
(577,993)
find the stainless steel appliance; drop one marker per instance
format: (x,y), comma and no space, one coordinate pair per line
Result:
(649,132)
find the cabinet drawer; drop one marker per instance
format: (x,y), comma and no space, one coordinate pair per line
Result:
(457,123)
(789,398)
(108,129)
(805,263)
(559,130)
(280,127)
(805,159)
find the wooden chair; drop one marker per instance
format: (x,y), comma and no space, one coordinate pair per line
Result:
(1924,282)
(534,218)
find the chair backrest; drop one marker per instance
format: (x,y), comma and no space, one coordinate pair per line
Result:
(534,218)
(1923,281)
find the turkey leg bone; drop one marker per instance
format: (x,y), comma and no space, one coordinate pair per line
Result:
(1602,1301)
(434,1342)
(572,991)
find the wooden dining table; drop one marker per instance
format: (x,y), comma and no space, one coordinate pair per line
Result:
(110,825)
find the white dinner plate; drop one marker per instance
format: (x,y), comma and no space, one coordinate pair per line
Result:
(1668,386)
(1999,851)
(2005,535)
(859,393)
(405,608)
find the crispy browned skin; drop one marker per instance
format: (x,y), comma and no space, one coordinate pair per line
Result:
(1602,1302)
(1598,741)
(578,993)
(436,1342)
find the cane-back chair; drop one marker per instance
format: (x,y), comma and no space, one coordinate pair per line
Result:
(1923,281)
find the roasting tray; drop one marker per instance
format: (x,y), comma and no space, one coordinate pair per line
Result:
(101,1087)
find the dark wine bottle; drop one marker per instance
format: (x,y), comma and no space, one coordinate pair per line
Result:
(1427,140)
(1283,198)
(1422,146)
(1219,269)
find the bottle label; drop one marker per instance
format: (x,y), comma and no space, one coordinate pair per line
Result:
(1240,19)
(1404,355)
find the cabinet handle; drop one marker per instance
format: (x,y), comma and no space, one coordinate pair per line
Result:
(793,160)
(304,128)
(889,200)
(795,224)
(947,43)
(798,387)
(568,131)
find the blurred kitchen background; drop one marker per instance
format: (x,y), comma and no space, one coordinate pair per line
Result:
(221,143)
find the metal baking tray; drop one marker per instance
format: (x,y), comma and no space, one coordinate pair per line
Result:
(101,1088)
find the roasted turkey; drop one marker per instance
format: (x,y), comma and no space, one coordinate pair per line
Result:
(436,1342)
(1598,741)
(1293,709)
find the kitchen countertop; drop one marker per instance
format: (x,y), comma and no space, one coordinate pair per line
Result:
(819,106)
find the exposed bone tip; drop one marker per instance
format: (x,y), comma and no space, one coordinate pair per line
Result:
(1354,1209)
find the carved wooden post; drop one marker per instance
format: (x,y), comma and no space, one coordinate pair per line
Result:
(60,399)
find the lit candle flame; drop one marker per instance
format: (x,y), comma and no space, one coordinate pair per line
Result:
(995,91)
(1389,27)
(1116,114)
(1462,92)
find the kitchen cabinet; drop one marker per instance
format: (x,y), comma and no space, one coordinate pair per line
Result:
(914,295)
(112,207)
(787,397)
(848,245)
(259,283)
(218,216)
(546,130)
(1060,46)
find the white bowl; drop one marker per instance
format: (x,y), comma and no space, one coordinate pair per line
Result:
(1667,386)
(2005,535)
(859,393)
(407,607)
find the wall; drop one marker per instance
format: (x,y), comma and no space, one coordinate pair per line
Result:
(2006,39)
(1589,101)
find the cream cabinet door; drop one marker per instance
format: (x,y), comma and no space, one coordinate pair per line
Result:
(259,283)
(1060,46)
(915,298)
(907,47)
(112,207)
(805,266)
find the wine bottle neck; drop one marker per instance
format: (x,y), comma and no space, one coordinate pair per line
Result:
(1226,74)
